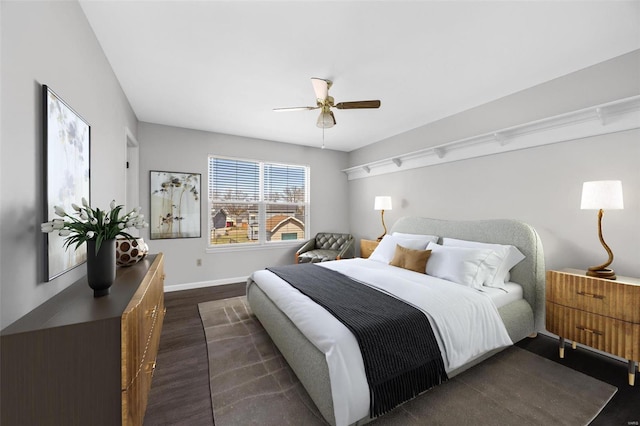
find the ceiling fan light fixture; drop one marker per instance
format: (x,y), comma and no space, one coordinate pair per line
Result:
(326,120)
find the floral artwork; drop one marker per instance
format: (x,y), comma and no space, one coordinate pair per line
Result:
(67,141)
(175,205)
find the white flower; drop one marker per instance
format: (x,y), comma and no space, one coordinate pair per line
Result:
(86,223)
(138,209)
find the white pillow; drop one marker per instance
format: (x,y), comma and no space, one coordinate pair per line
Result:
(387,247)
(461,265)
(423,237)
(499,264)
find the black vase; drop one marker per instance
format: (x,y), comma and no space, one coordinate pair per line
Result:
(101,266)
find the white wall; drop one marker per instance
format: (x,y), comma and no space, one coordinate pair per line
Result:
(541,186)
(183,150)
(50,43)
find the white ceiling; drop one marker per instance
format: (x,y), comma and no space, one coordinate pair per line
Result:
(222,66)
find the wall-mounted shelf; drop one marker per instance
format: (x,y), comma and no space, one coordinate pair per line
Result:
(611,117)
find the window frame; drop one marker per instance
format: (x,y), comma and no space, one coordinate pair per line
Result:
(263,206)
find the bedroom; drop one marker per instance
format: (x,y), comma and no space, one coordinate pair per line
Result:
(544,182)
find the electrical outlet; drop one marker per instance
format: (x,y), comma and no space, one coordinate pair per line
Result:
(198,262)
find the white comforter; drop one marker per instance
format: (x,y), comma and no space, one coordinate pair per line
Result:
(466,324)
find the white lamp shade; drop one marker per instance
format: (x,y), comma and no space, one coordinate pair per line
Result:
(602,194)
(382,202)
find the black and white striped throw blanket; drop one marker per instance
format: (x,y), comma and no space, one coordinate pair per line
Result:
(400,352)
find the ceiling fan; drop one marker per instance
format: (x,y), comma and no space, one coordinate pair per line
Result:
(324,103)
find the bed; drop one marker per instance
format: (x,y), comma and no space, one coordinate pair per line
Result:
(313,359)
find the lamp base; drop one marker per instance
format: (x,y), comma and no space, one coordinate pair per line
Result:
(607,274)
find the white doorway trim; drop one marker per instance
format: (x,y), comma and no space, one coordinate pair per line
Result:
(132,171)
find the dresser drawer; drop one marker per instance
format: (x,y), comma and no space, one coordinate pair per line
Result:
(611,335)
(609,298)
(138,323)
(141,329)
(136,395)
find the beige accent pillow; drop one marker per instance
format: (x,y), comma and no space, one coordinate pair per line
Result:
(413,260)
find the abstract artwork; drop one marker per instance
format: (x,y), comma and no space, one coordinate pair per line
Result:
(67,139)
(175,205)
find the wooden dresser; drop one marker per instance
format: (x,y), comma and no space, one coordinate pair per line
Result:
(80,360)
(600,313)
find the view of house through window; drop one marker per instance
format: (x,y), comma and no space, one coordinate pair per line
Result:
(253,202)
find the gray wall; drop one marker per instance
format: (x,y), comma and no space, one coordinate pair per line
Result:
(50,43)
(183,150)
(541,186)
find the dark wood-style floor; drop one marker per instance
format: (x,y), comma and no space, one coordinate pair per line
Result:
(180,389)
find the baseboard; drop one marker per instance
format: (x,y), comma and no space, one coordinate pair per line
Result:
(201,284)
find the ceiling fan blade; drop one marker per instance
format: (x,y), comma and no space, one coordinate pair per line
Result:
(358,104)
(321,87)
(302,108)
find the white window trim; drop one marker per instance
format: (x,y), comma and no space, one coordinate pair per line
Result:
(262,231)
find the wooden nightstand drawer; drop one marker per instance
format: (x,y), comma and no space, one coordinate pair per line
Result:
(367,247)
(616,337)
(613,299)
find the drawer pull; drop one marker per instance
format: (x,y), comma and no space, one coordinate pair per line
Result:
(151,367)
(595,296)
(152,312)
(588,330)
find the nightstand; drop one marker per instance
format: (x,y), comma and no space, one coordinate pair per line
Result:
(367,247)
(596,312)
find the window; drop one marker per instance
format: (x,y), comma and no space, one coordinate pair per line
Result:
(254,202)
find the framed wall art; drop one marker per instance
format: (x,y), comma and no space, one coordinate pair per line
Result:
(175,205)
(67,140)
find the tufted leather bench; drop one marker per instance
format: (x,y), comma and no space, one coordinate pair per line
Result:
(326,246)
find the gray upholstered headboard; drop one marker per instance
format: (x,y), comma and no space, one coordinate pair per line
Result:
(529,273)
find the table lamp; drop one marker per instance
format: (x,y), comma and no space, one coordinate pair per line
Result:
(600,195)
(382,203)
